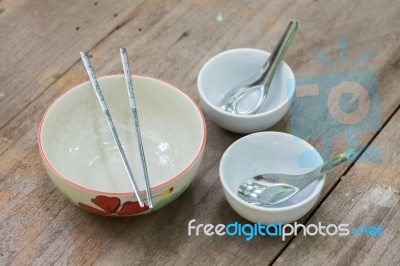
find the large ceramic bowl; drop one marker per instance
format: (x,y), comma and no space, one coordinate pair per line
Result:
(228,69)
(82,159)
(270,152)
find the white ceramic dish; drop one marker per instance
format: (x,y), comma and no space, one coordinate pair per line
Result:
(228,69)
(81,157)
(274,152)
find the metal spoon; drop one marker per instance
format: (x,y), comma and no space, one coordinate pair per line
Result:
(262,80)
(270,189)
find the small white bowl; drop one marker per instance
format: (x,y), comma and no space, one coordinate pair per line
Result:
(270,152)
(81,157)
(226,70)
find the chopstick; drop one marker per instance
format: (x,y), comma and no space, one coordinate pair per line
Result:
(132,103)
(106,113)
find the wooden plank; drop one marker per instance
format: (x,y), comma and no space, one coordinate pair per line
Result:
(39,37)
(173,46)
(367,195)
(43,241)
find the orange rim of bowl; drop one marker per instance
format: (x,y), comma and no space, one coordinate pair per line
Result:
(53,169)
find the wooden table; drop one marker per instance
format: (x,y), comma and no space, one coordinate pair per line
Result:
(39,52)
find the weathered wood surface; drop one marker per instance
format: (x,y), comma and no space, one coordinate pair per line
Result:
(367,195)
(170,40)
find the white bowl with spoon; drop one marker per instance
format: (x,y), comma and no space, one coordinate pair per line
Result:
(270,152)
(252,99)
(224,71)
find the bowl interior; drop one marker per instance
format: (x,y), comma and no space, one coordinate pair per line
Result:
(269,152)
(230,68)
(78,144)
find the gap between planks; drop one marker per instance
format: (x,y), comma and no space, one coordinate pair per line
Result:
(130,17)
(346,170)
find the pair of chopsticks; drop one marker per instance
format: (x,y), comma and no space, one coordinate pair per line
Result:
(132,103)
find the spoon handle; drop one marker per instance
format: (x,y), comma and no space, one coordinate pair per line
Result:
(329,165)
(341,158)
(318,172)
(270,67)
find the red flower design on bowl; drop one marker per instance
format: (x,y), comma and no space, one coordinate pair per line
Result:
(111,206)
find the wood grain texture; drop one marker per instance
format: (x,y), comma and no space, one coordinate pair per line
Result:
(170,40)
(41,36)
(369,195)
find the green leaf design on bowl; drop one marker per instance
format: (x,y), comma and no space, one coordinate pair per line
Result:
(168,199)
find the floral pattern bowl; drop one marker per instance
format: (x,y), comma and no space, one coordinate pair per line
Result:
(82,159)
